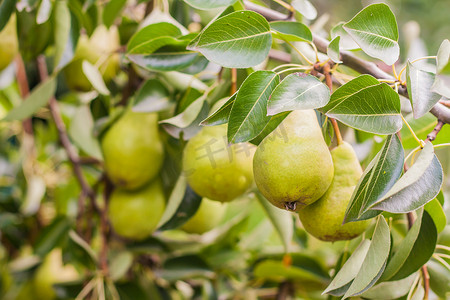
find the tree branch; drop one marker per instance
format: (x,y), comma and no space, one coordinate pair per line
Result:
(441,112)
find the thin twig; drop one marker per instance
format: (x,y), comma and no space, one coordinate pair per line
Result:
(329,81)
(432,135)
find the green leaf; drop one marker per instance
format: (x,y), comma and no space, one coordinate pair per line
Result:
(95,77)
(241,39)
(152,96)
(38,98)
(62,30)
(185,267)
(367,105)
(349,270)
(81,131)
(443,58)
(439,278)
(375,30)
(435,210)
(298,91)
(415,249)
(416,187)
(52,235)
(441,86)
(390,290)
(112,10)
(165,59)
(305,8)
(374,262)
(378,178)
(278,271)
(209,4)
(291,31)
(7,7)
(152,37)
(281,220)
(221,115)
(419,85)
(175,199)
(248,116)
(270,127)
(346,42)
(44,12)
(333,50)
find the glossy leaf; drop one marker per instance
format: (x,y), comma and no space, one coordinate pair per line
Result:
(374,262)
(419,85)
(248,116)
(349,270)
(281,220)
(270,127)
(291,31)
(305,8)
(209,4)
(38,98)
(415,249)
(7,7)
(333,50)
(152,37)
(436,212)
(419,185)
(375,30)
(298,91)
(240,39)
(367,105)
(95,77)
(152,96)
(346,42)
(221,115)
(378,178)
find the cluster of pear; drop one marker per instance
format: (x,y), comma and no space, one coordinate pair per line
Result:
(99,50)
(133,155)
(294,169)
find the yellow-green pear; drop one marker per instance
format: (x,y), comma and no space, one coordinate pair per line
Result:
(52,271)
(132,150)
(292,165)
(323,219)
(135,214)
(100,50)
(208,215)
(215,169)
(9,45)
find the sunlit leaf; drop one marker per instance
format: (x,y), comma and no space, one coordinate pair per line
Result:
(333,50)
(291,31)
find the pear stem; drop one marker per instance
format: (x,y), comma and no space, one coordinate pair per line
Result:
(329,81)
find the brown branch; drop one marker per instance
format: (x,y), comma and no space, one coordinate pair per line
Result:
(233,81)
(349,59)
(24,89)
(432,135)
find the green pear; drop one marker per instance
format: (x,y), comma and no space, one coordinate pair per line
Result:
(216,170)
(132,150)
(135,214)
(52,271)
(208,215)
(99,50)
(323,219)
(292,165)
(9,45)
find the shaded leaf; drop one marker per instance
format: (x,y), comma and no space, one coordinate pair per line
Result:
(270,127)
(167,58)
(221,115)
(7,7)
(346,42)
(415,249)
(416,187)
(374,262)
(185,267)
(277,270)
(305,8)
(391,289)
(375,30)
(112,10)
(62,30)
(95,77)
(298,91)
(152,96)
(378,178)
(240,39)
(52,235)
(153,36)
(366,104)
(248,116)
(333,50)
(38,98)
(291,31)
(443,58)
(349,270)
(281,220)
(175,199)
(419,85)
(436,212)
